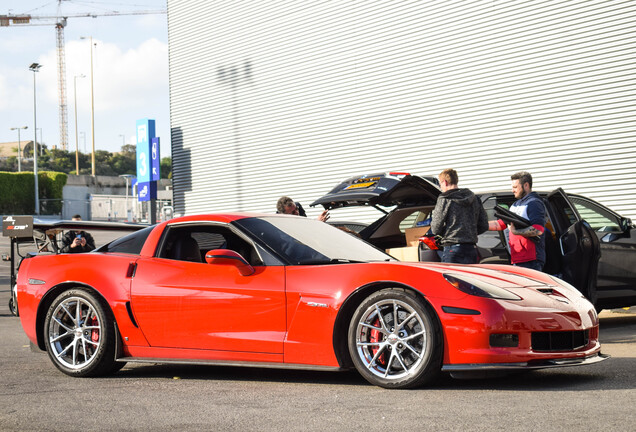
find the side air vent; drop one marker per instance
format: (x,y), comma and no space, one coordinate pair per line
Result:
(130,314)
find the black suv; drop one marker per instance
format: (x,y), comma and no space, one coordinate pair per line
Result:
(589,245)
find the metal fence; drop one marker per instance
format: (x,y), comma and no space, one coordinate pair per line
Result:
(109,208)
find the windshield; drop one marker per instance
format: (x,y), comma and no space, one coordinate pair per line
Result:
(300,240)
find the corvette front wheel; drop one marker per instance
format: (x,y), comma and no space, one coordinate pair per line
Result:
(394,340)
(79,335)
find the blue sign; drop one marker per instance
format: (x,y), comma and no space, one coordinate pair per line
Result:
(155,159)
(147,191)
(145,134)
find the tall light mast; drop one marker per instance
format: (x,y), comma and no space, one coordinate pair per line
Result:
(61,82)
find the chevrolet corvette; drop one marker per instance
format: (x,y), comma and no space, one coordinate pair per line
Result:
(290,292)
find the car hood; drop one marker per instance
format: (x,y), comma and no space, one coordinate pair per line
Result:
(536,287)
(502,276)
(385,189)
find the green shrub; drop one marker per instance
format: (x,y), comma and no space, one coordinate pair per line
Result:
(17,192)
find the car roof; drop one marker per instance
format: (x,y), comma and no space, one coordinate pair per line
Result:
(509,194)
(384,189)
(222,217)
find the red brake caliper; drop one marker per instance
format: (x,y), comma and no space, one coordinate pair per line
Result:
(94,332)
(376,336)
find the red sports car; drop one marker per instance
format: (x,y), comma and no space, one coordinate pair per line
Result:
(287,291)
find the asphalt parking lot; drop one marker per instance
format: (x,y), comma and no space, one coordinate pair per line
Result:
(34,395)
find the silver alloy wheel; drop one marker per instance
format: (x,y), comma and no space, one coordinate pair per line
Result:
(75,333)
(391,339)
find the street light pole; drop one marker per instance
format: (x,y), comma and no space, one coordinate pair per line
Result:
(83,136)
(41,142)
(19,148)
(76,144)
(123,140)
(92,109)
(35,67)
(127,176)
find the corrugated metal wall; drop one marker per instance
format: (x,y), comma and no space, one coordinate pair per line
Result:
(272,98)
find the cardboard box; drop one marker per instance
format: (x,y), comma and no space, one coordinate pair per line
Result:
(408,253)
(413,234)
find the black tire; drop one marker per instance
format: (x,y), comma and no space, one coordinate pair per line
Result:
(400,356)
(79,334)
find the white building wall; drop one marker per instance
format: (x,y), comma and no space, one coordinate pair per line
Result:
(275,97)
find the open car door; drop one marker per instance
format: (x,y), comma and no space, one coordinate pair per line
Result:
(578,244)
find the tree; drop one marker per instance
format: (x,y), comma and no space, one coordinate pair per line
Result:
(9,164)
(106,163)
(58,161)
(122,163)
(129,149)
(103,161)
(166,168)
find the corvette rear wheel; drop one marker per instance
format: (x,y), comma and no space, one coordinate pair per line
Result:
(79,335)
(394,340)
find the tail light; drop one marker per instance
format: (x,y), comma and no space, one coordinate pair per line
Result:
(430,242)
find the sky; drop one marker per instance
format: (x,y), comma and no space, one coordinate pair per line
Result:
(130,72)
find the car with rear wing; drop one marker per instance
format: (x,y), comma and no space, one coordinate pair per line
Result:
(587,244)
(28,235)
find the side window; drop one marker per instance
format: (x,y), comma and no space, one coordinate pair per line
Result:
(599,218)
(489,206)
(190,243)
(492,201)
(208,240)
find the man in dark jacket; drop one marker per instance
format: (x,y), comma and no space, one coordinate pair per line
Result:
(77,241)
(458,218)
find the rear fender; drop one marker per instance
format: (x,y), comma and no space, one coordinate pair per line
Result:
(48,299)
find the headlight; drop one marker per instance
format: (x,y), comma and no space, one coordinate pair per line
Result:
(479,288)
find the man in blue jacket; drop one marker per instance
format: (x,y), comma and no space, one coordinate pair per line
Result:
(527,245)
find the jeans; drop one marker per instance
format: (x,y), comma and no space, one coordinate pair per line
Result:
(534,265)
(460,253)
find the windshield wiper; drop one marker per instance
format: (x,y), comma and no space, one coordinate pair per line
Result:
(345,261)
(329,261)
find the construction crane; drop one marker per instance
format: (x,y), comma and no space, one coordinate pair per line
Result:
(59,21)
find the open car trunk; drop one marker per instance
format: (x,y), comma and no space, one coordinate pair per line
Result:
(386,190)
(410,199)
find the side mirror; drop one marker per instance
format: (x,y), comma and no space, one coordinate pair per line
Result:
(610,237)
(625,224)
(231,258)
